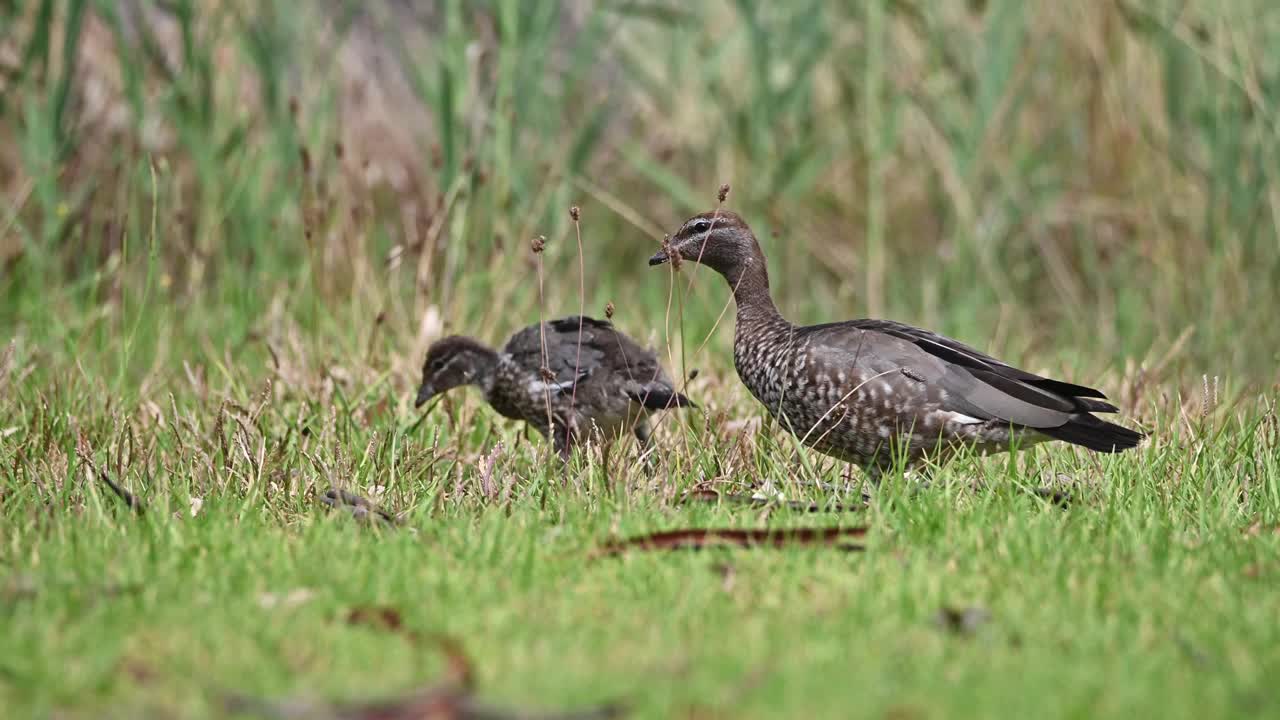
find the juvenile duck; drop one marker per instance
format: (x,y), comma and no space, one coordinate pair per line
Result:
(608,385)
(868,391)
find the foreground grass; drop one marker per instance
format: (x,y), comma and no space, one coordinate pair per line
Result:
(1153,595)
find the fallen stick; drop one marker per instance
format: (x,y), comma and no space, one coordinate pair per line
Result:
(699,538)
(451,699)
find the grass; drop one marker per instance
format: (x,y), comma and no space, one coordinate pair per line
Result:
(1150,598)
(224,247)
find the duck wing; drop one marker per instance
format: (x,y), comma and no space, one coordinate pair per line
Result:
(957,378)
(607,355)
(958,353)
(555,347)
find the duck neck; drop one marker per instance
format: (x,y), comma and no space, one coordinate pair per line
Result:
(488,367)
(750,283)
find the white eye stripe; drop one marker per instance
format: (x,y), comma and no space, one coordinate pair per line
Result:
(442,366)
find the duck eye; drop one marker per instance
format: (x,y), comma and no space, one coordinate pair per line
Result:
(437,364)
(701,226)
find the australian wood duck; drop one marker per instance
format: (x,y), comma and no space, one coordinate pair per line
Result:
(867,391)
(563,383)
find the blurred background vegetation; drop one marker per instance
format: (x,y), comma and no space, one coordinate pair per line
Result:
(188,186)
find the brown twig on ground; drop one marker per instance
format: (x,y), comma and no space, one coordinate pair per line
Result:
(450,699)
(699,538)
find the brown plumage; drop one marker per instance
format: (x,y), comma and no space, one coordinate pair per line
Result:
(867,391)
(606,385)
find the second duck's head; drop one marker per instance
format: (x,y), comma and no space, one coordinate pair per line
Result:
(454,361)
(721,240)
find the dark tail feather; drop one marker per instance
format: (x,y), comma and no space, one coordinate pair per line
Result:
(1096,405)
(658,398)
(1068,389)
(1088,431)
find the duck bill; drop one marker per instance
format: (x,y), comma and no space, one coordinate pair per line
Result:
(425,393)
(659,258)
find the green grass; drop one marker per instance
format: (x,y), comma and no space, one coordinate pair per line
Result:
(207,294)
(1151,597)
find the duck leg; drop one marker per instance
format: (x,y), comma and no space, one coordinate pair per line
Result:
(557,431)
(562,440)
(644,436)
(644,439)
(918,476)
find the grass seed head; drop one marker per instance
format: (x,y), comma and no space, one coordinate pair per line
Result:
(575,213)
(538,244)
(724,192)
(673,255)
(608,310)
